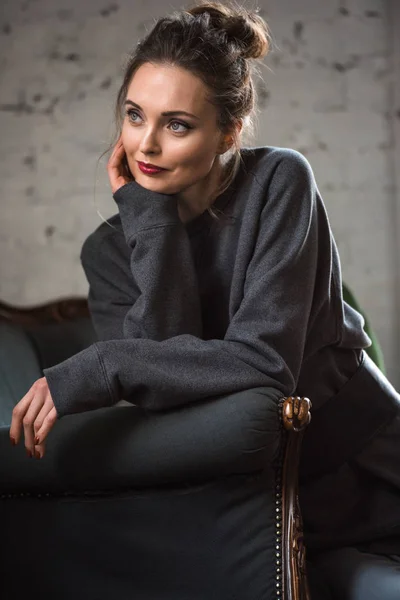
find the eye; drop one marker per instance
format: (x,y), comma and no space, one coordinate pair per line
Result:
(131,113)
(187,127)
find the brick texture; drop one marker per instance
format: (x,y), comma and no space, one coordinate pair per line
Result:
(326,90)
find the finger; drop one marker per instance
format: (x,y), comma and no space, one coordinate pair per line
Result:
(46,408)
(30,416)
(116,169)
(47,425)
(115,161)
(118,148)
(40,450)
(116,153)
(19,412)
(41,394)
(126,171)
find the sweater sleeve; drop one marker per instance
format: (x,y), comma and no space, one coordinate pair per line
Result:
(264,342)
(112,292)
(142,279)
(162,267)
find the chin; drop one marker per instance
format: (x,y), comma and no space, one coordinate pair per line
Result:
(148,182)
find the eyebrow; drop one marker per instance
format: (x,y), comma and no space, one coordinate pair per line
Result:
(170,113)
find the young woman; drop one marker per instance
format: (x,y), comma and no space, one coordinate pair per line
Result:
(220,273)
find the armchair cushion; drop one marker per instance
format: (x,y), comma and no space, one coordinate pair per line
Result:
(173,505)
(124,447)
(214,541)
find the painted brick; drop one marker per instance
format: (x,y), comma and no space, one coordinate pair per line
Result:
(326,92)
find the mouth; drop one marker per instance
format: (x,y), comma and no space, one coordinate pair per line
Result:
(149,168)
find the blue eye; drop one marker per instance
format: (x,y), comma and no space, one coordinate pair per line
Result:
(182,125)
(131,112)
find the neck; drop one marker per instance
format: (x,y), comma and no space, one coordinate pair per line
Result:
(195,200)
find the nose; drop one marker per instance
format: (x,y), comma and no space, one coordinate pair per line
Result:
(149,143)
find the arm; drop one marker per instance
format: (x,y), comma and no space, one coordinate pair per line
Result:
(157,297)
(155,303)
(265,341)
(105,261)
(161,264)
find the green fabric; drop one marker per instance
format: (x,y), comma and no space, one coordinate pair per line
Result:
(374,351)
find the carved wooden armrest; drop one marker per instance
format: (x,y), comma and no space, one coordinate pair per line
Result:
(64,309)
(295,414)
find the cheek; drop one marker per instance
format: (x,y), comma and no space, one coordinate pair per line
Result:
(128,138)
(192,169)
(199,163)
(195,156)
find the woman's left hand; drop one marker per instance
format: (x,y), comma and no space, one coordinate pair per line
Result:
(36,414)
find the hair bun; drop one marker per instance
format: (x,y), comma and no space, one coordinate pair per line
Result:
(251,33)
(243,27)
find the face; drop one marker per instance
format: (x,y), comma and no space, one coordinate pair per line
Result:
(186,145)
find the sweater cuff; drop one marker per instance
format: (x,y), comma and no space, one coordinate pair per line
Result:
(140,208)
(79,383)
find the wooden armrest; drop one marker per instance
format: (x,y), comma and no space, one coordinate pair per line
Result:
(58,311)
(295,414)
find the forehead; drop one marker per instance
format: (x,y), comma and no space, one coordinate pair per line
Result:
(162,87)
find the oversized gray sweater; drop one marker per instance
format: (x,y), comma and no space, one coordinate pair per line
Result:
(190,311)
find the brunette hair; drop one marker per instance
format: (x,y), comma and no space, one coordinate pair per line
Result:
(215,42)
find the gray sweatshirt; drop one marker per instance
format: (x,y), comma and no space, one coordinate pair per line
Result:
(190,311)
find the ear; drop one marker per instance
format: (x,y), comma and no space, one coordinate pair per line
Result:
(228,139)
(225,143)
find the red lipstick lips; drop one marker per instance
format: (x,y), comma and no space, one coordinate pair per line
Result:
(149,169)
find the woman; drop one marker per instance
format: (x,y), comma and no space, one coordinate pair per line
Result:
(220,273)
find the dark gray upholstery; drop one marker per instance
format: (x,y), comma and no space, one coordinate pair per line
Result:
(128,504)
(24,353)
(179,505)
(55,342)
(214,542)
(19,368)
(121,447)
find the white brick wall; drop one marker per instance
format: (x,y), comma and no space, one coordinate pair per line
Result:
(394,112)
(330,90)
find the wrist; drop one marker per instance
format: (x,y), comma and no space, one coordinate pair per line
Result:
(141,208)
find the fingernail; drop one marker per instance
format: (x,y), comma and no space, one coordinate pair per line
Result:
(29,453)
(37,441)
(13,442)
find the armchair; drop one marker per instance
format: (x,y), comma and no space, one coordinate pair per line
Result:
(197,502)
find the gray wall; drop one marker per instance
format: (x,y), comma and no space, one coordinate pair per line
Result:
(330,90)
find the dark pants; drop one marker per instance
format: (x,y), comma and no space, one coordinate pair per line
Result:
(358,504)
(352,523)
(350,574)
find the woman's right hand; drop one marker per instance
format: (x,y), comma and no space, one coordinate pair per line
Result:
(117,168)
